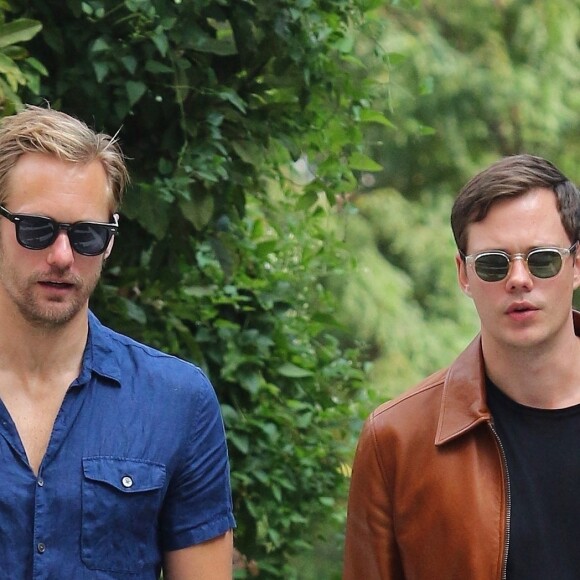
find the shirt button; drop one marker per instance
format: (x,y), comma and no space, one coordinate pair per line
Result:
(127,481)
(40,482)
(41,548)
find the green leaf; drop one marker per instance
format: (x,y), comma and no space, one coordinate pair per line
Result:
(101,70)
(361,162)
(241,442)
(198,211)
(100,45)
(156,67)
(7,94)
(396,58)
(277,493)
(13,74)
(224,47)
(303,421)
(161,42)
(327,501)
(293,371)
(134,312)
(249,152)
(249,381)
(135,90)
(426,130)
(37,66)
(370,116)
(20,30)
(146,207)
(229,414)
(274,536)
(130,63)
(271,430)
(233,97)
(262,476)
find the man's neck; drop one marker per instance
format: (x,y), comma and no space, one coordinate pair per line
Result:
(30,350)
(543,378)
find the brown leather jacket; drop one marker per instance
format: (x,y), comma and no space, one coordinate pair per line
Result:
(429,496)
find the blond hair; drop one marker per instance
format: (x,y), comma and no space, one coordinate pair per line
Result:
(44,130)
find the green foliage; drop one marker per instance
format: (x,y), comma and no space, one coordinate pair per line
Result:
(488,79)
(17,68)
(265,335)
(471,82)
(404,301)
(243,123)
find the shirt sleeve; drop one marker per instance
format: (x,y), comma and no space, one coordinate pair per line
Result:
(198,504)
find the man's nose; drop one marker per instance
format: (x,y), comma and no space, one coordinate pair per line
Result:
(61,252)
(519,275)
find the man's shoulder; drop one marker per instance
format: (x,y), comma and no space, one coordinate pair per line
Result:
(441,406)
(404,429)
(134,358)
(419,402)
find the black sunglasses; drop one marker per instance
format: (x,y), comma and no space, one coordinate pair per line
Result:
(36,232)
(494,265)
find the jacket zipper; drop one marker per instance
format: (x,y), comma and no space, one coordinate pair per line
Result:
(508,501)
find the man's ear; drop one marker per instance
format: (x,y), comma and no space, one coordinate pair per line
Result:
(576,265)
(462,279)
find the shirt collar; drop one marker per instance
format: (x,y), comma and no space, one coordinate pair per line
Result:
(100,357)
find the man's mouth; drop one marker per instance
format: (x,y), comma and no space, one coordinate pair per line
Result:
(520,308)
(54,284)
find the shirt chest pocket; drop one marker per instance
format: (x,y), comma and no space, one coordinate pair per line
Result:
(121,500)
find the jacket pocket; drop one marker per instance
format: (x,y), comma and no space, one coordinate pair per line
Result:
(121,499)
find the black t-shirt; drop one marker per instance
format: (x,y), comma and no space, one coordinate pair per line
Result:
(542,448)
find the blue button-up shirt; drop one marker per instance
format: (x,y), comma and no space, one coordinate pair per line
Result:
(136,465)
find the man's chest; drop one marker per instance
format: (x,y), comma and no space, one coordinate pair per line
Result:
(95,500)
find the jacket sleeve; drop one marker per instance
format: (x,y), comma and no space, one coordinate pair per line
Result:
(371,551)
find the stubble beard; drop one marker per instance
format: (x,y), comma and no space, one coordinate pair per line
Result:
(44,314)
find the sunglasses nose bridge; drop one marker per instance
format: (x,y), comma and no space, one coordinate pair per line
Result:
(513,258)
(56,229)
(66,228)
(57,235)
(62,227)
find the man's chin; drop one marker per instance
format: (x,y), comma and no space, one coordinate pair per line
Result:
(52,317)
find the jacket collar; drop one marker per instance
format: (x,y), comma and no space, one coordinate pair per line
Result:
(463,405)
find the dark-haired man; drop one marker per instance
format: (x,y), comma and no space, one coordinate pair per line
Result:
(473,474)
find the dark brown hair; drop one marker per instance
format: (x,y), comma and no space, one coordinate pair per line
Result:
(510,177)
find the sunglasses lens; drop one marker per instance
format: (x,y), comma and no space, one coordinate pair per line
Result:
(35,233)
(494,266)
(544,263)
(491,267)
(89,239)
